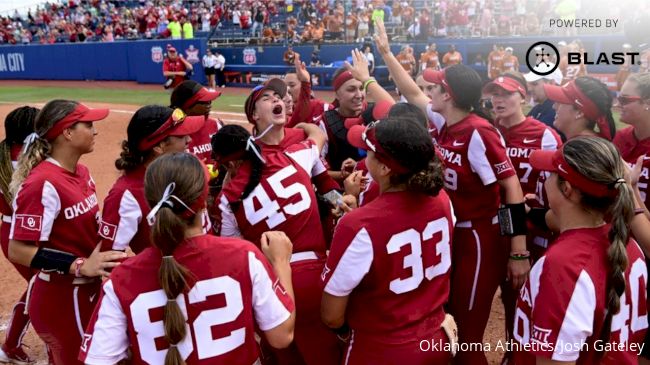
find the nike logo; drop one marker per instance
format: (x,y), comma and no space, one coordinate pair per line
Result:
(92,297)
(526,140)
(559,167)
(457,144)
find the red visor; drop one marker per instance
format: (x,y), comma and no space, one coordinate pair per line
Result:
(364,138)
(439,78)
(572,95)
(80,114)
(202,95)
(506,83)
(553,161)
(178,124)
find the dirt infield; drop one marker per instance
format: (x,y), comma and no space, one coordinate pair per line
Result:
(110,133)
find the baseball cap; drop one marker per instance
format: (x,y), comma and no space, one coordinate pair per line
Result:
(274,84)
(379,111)
(170,48)
(553,161)
(190,92)
(81,113)
(506,83)
(151,124)
(555,76)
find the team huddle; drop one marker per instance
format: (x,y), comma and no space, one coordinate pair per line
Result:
(341,232)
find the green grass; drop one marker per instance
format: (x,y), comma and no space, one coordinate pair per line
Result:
(23,94)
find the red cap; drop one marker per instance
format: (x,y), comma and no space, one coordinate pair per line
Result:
(572,95)
(439,78)
(506,83)
(170,48)
(202,95)
(364,137)
(178,124)
(379,111)
(553,161)
(80,114)
(274,84)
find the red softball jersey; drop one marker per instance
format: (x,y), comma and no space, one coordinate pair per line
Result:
(475,157)
(57,209)
(284,199)
(232,291)
(521,140)
(124,221)
(561,308)
(201,145)
(399,262)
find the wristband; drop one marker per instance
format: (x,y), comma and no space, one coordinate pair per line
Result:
(512,219)
(520,256)
(368,82)
(52,260)
(77,266)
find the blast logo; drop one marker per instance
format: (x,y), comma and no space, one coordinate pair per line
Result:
(156,54)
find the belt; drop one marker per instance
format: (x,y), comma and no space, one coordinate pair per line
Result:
(55,277)
(302,256)
(6,219)
(468,224)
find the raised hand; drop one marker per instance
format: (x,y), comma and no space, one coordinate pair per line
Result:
(301,69)
(381,38)
(359,67)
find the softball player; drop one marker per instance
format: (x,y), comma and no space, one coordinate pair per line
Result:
(153,131)
(581,106)
(522,135)
(198,298)
(195,100)
(271,189)
(400,262)
(54,226)
(634,145)
(477,172)
(587,290)
(19,123)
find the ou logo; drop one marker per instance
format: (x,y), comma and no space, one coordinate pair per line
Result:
(106,230)
(31,222)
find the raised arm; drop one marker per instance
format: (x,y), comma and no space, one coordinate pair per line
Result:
(403,80)
(359,69)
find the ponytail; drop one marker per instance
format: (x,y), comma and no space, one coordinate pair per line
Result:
(19,123)
(184,176)
(35,154)
(130,158)
(478,109)
(621,212)
(168,232)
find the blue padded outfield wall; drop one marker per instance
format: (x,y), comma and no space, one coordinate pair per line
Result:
(141,61)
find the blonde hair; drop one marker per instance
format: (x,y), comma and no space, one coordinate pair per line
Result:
(38,151)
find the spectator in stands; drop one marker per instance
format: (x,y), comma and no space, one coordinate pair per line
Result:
(306,32)
(258,21)
(244,19)
(414,30)
(318,32)
(335,26)
(236,16)
(425,24)
(174,28)
(370,58)
(452,57)
(188,29)
(315,57)
(378,13)
(396,13)
(363,26)
(289,56)
(351,23)
(268,36)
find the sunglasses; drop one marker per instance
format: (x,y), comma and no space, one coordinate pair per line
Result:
(624,100)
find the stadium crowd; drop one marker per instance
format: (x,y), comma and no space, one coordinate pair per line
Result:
(295,20)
